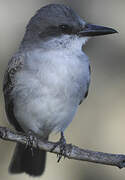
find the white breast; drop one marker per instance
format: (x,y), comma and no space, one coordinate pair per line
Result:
(49,89)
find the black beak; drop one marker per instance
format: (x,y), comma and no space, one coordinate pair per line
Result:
(94,30)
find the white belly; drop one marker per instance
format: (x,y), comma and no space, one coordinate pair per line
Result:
(48,93)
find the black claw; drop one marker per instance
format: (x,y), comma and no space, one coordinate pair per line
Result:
(31,141)
(62,145)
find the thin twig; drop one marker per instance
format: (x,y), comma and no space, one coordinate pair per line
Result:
(72,152)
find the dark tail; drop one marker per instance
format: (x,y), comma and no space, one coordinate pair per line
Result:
(25,160)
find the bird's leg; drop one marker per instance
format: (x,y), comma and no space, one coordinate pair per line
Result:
(62,145)
(31,140)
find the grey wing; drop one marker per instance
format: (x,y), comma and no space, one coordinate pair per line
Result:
(86,94)
(14,65)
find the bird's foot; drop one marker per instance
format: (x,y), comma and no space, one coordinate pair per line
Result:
(62,145)
(32,140)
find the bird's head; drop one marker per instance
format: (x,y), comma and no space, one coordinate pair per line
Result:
(62,26)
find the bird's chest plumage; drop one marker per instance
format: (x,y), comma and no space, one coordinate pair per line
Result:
(62,74)
(50,88)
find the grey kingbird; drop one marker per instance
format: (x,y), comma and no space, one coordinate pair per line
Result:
(47,79)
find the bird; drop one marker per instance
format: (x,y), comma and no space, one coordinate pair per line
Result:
(47,79)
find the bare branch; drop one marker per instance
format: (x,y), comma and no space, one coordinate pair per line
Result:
(72,152)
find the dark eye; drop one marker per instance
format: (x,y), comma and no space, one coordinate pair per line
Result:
(65,28)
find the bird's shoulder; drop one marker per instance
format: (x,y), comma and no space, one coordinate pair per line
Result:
(15,64)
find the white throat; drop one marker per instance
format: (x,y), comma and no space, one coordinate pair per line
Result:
(72,42)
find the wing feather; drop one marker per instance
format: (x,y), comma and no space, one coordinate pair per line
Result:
(14,65)
(86,94)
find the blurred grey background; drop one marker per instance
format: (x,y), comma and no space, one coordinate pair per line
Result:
(100,121)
